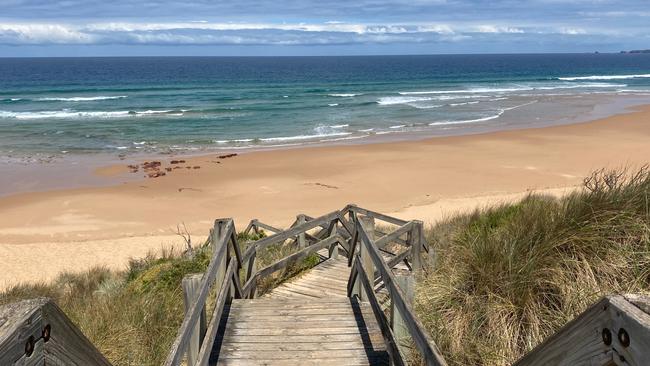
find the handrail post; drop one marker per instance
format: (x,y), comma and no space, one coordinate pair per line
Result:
(415,238)
(302,241)
(191,284)
(368,224)
(406,283)
(217,241)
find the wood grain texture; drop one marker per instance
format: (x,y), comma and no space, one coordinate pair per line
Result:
(298,331)
(25,321)
(582,341)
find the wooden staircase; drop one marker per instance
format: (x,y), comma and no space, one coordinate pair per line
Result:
(308,320)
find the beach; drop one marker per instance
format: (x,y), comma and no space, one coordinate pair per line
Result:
(45,233)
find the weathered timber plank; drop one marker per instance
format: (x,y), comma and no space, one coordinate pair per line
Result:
(334,361)
(335,334)
(582,340)
(295,293)
(291,345)
(27,321)
(301,286)
(302,355)
(289,304)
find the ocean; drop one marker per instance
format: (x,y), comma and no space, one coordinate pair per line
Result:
(72,106)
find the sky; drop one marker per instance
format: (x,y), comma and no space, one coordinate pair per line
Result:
(319,27)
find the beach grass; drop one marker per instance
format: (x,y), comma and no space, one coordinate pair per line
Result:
(507,277)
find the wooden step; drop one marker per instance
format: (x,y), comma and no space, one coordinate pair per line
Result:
(295,331)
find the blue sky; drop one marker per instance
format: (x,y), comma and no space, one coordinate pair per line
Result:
(319,27)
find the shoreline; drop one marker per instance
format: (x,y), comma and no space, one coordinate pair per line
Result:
(75,229)
(74,171)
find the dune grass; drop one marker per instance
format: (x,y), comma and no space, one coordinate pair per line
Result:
(133,316)
(507,277)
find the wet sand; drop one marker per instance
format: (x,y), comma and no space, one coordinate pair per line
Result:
(44,233)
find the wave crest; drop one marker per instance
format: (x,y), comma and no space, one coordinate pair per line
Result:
(605,77)
(81,99)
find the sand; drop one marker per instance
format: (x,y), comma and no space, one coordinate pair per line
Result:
(45,233)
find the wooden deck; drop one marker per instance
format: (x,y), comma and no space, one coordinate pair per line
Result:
(327,280)
(306,321)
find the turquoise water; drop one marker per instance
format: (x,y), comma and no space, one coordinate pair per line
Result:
(159,105)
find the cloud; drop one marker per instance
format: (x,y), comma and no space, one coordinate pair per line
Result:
(532,23)
(258,33)
(497,29)
(573,31)
(183,33)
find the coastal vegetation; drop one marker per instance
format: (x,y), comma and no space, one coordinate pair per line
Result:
(504,278)
(507,277)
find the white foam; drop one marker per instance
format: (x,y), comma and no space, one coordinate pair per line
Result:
(304,137)
(10,99)
(454,97)
(333,104)
(397,126)
(155,112)
(233,141)
(586,85)
(340,126)
(343,95)
(402,100)
(442,123)
(81,99)
(65,113)
(420,106)
(606,77)
(345,138)
(488,118)
(464,103)
(465,91)
(512,89)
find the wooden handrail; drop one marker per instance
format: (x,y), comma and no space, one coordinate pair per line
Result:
(422,341)
(284,235)
(386,239)
(192,316)
(222,297)
(373,214)
(358,274)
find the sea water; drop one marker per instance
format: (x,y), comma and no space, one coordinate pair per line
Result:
(68,106)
